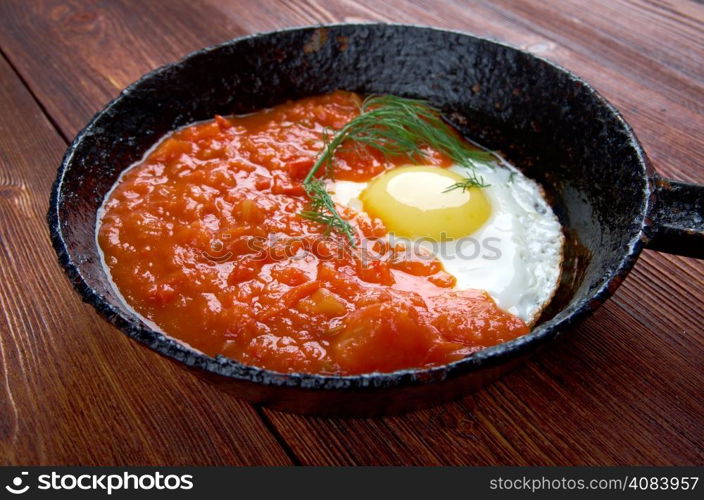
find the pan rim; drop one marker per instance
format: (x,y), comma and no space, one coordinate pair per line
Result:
(233,369)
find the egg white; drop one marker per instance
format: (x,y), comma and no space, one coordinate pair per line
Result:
(516,255)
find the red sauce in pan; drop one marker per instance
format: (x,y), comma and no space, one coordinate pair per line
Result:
(204,238)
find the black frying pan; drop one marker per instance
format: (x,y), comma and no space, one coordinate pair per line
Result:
(551,124)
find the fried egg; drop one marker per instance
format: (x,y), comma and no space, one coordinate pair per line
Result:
(503,238)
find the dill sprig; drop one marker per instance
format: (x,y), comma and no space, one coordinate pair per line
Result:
(323,210)
(394,126)
(466,184)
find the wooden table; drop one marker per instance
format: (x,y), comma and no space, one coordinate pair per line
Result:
(623,388)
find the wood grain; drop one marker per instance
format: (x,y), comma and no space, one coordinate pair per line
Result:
(623,388)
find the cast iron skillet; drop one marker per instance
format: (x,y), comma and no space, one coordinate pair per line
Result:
(550,123)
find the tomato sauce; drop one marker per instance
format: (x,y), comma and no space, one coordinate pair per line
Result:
(204,238)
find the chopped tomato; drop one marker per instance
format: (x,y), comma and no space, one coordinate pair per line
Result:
(204,237)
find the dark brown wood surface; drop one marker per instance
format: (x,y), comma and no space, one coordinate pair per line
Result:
(625,387)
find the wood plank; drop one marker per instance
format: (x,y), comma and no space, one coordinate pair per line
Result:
(622,388)
(92,50)
(73,390)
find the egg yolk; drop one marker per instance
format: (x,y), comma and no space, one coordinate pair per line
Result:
(415,202)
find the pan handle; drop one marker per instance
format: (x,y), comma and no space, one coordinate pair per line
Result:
(678,218)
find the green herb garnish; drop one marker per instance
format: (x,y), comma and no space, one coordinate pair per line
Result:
(467,183)
(323,209)
(395,126)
